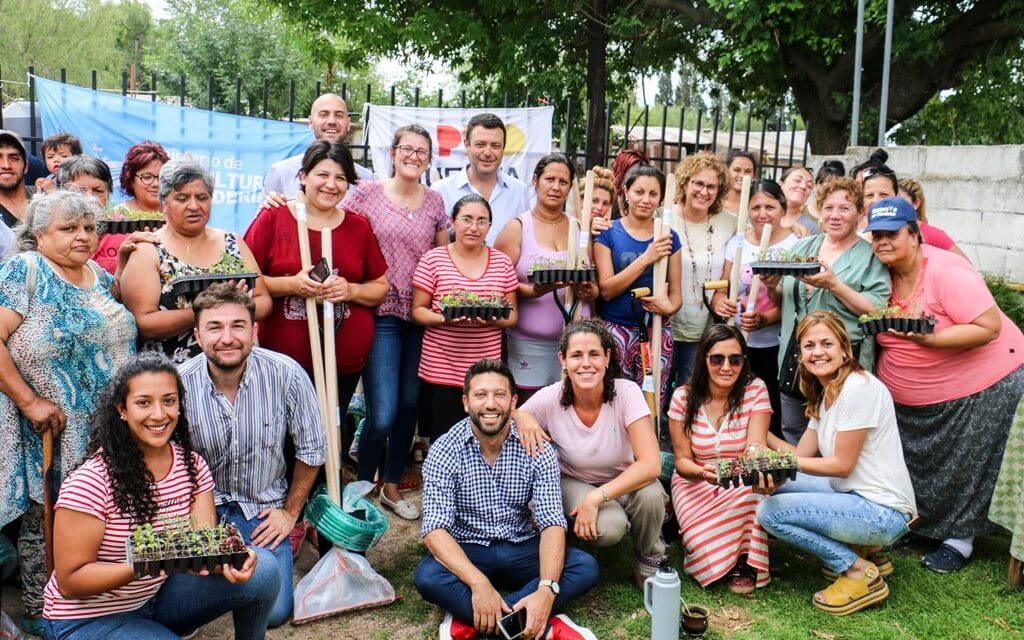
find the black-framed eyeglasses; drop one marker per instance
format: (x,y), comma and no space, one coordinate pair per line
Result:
(407,150)
(718,359)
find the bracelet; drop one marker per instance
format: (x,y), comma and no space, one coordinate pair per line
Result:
(604,495)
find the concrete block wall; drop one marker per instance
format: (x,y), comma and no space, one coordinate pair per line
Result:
(973,193)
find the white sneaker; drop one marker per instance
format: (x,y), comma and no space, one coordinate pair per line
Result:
(403,508)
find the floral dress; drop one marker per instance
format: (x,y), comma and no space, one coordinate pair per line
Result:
(69,345)
(183,346)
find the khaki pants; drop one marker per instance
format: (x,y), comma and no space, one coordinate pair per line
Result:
(641,512)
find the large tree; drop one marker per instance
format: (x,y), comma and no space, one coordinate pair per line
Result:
(760,50)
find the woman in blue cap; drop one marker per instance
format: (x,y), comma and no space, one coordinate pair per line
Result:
(956,389)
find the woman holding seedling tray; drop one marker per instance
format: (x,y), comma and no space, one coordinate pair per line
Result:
(850,282)
(464,293)
(720,416)
(956,388)
(537,242)
(142,474)
(161,280)
(854,494)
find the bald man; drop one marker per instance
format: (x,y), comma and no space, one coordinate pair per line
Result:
(329,120)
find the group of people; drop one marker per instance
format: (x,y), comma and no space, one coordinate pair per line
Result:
(541,433)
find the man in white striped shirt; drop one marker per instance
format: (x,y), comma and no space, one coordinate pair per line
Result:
(241,401)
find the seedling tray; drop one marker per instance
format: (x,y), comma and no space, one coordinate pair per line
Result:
(751,479)
(189,287)
(785,268)
(129,226)
(184,563)
(475,312)
(736,472)
(912,325)
(548,276)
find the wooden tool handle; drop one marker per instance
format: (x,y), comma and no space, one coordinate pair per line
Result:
(48,498)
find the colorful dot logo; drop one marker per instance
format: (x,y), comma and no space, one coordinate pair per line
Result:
(515,139)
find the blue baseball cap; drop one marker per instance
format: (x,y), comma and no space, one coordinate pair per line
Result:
(891,214)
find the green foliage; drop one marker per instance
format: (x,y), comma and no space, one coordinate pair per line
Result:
(1010,301)
(986,108)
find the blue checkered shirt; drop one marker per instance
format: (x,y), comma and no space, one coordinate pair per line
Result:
(480,504)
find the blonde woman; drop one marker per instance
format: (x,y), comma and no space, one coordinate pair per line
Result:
(854,487)
(912,191)
(602,199)
(704,229)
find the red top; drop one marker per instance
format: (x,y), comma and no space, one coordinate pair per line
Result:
(935,236)
(106,250)
(449,350)
(274,240)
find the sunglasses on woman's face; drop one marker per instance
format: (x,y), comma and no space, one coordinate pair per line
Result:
(718,359)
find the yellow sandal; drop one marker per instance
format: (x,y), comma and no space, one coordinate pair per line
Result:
(848,595)
(872,554)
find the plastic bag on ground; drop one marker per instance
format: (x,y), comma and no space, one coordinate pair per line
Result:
(340,582)
(8,629)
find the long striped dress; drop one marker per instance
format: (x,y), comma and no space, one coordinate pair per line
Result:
(717,525)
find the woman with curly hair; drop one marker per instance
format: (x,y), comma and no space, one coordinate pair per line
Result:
(723,412)
(141,470)
(602,200)
(607,448)
(704,229)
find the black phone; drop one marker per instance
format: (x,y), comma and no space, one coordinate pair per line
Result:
(320,271)
(512,625)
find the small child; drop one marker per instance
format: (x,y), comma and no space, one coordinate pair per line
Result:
(56,149)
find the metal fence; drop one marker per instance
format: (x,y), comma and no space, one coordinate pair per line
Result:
(777,140)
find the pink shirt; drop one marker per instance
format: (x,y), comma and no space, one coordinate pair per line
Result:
(87,490)
(952,291)
(595,454)
(935,236)
(404,235)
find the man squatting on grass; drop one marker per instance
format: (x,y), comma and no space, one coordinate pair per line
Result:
(478,485)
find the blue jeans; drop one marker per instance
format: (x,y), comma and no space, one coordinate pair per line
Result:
(279,561)
(683,354)
(810,515)
(509,566)
(183,604)
(392,389)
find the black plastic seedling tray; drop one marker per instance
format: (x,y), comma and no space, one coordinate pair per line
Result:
(785,268)
(547,276)
(472,312)
(912,325)
(189,287)
(129,226)
(183,564)
(751,479)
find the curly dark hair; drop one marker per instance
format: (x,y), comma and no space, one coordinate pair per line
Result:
(700,380)
(613,371)
(131,481)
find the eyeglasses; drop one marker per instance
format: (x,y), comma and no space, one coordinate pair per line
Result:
(704,186)
(718,359)
(483,223)
(147,178)
(406,150)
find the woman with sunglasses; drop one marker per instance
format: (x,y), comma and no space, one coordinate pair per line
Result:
(722,412)
(408,220)
(853,495)
(956,389)
(540,236)
(450,347)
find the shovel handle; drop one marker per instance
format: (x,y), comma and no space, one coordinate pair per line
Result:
(48,498)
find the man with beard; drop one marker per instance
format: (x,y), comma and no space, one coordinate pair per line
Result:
(241,400)
(329,120)
(484,501)
(485,147)
(14,195)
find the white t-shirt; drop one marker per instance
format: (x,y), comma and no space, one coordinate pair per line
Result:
(699,266)
(595,454)
(767,336)
(881,474)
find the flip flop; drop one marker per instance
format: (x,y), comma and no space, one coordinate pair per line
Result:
(945,559)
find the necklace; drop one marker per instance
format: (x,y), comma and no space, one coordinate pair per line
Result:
(556,223)
(696,282)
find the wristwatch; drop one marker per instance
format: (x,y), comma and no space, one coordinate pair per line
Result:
(550,584)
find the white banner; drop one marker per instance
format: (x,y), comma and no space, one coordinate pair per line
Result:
(528,136)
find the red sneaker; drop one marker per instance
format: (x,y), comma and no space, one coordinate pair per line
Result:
(297,535)
(452,629)
(563,628)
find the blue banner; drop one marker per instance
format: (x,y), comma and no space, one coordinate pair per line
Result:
(237,150)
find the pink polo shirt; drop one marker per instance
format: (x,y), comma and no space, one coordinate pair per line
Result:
(953,292)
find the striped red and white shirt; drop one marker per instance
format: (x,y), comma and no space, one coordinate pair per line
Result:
(88,491)
(718,525)
(449,350)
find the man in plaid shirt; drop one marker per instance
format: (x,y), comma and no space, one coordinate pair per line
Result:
(493,519)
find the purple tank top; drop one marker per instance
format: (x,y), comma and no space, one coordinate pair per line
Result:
(539,318)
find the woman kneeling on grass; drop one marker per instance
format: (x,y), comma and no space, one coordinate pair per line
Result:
(863,495)
(141,469)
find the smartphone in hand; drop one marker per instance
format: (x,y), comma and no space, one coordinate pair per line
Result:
(512,625)
(320,271)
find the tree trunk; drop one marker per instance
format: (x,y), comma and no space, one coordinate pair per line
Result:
(597,42)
